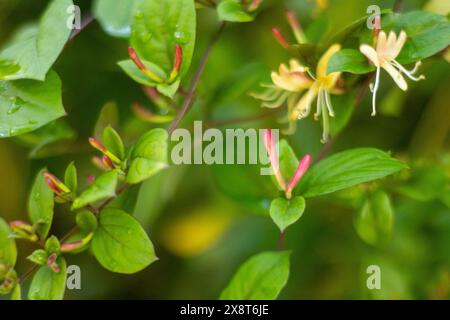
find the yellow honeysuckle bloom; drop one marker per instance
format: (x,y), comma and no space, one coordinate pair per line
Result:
(290,82)
(383,56)
(323,85)
(292,79)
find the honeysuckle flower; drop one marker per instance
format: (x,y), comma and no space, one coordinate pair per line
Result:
(23,230)
(290,82)
(383,56)
(324,85)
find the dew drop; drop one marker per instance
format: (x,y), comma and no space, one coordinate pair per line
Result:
(181,37)
(16,104)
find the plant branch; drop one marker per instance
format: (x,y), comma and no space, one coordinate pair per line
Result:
(190,95)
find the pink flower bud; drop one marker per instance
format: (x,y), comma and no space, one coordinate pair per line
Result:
(299,173)
(95,143)
(108,162)
(137,61)
(280,38)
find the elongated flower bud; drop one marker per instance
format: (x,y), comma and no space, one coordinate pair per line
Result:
(178,61)
(270,144)
(137,61)
(295,26)
(299,173)
(69,247)
(280,38)
(108,162)
(95,143)
(253,6)
(55,184)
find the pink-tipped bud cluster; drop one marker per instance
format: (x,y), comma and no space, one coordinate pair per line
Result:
(109,160)
(305,162)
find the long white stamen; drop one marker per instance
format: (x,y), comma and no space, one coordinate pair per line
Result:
(375,89)
(319,104)
(328,103)
(408,73)
(326,125)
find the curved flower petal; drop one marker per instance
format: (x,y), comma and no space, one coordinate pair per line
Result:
(303,107)
(396,75)
(370,53)
(323,62)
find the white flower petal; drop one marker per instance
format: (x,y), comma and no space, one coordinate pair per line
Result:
(396,75)
(370,53)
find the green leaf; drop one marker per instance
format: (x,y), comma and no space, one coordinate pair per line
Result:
(52,245)
(344,106)
(70,177)
(149,156)
(137,75)
(120,244)
(113,142)
(39,257)
(115,16)
(428,34)
(40,205)
(158,26)
(169,90)
(374,221)
(103,187)
(8,250)
(350,60)
(347,169)
(16,293)
(26,105)
(87,221)
(35,48)
(286,212)
(49,285)
(232,11)
(262,277)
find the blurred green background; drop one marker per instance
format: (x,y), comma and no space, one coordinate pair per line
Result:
(201,232)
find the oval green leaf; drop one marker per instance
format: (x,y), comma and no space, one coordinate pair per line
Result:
(158,26)
(262,277)
(8,250)
(103,187)
(347,169)
(35,48)
(26,105)
(40,205)
(286,212)
(49,285)
(120,244)
(149,156)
